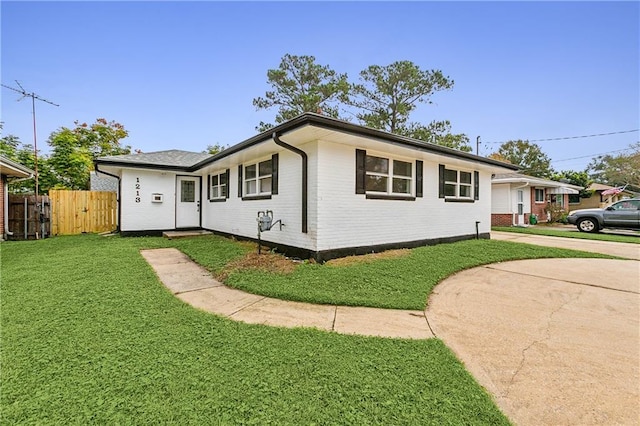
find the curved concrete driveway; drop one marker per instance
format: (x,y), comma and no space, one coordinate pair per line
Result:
(556,341)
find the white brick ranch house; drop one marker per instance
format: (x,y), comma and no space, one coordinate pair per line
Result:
(338,188)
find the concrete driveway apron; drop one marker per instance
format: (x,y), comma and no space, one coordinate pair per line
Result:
(625,250)
(556,341)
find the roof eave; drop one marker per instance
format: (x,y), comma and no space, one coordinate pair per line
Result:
(17,169)
(126,164)
(346,127)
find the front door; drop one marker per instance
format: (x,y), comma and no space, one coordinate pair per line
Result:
(520,207)
(187,202)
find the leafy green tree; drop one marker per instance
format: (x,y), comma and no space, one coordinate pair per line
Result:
(575,178)
(438,132)
(73,150)
(24,154)
(301,85)
(9,146)
(214,149)
(386,95)
(528,156)
(13,149)
(618,170)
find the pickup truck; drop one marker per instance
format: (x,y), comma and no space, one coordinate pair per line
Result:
(624,214)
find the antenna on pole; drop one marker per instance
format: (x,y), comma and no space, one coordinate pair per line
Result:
(33,97)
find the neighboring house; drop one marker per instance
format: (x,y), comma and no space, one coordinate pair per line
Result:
(597,200)
(515,197)
(9,170)
(338,188)
(102,182)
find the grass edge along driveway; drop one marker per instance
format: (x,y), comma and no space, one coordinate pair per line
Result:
(572,233)
(403,282)
(89,335)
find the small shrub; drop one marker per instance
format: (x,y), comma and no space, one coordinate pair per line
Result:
(556,213)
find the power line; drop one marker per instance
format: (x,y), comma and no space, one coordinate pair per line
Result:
(592,155)
(574,137)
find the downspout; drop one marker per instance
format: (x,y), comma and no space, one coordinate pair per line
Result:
(95,166)
(305,195)
(513,216)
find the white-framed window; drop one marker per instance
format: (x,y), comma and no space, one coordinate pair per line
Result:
(257,178)
(219,186)
(458,184)
(539,195)
(390,176)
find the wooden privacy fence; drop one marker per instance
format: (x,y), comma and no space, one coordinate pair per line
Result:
(77,212)
(26,219)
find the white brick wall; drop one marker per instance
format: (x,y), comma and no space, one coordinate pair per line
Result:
(238,217)
(347,219)
(145,215)
(337,216)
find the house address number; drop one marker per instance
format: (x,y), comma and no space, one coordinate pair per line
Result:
(137,190)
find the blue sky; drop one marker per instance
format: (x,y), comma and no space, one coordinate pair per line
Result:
(183,75)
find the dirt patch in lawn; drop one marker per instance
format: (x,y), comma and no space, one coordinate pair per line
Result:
(368,258)
(266,262)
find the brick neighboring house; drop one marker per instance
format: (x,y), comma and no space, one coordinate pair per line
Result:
(9,170)
(515,197)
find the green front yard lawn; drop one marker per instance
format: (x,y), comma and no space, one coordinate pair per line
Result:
(89,335)
(542,230)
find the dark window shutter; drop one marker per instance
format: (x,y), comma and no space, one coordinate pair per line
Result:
(360,171)
(419,166)
(239,180)
(441,181)
(476,185)
(274,174)
(228,183)
(208,187)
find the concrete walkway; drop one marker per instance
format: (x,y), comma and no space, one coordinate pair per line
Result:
(625,250)
(194,285)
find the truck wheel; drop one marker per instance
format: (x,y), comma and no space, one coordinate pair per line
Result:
(587,225)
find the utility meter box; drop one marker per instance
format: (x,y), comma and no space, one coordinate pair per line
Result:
(264,222)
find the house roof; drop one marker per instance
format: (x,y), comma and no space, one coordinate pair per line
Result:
(102,182)
(600,187)
(306,119)
(172,159)
(533,181)
(13,169)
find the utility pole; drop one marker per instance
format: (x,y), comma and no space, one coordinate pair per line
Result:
(33,97)
(478,145)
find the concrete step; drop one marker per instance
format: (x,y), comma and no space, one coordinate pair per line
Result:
(184,234)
